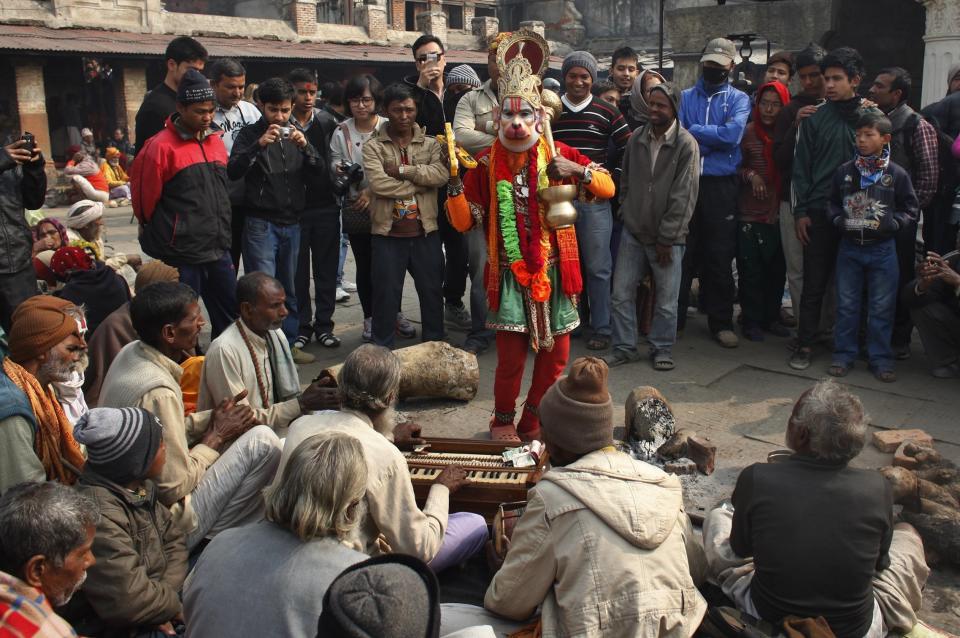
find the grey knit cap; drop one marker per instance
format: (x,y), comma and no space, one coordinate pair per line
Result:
(463,74)
(576,413)
(389,596)
(122,443)
(582,59)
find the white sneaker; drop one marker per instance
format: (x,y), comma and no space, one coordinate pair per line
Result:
(349,286)
(342,295)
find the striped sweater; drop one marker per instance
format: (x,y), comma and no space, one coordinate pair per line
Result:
(598,131)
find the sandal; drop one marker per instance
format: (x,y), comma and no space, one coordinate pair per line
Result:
(506,433)
(838,370)
(598,342)
(663,362)
(886,376)
(328,340)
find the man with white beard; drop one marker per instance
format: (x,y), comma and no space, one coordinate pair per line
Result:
(369,383)
(46,535)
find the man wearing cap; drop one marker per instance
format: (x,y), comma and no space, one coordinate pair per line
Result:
(180,198)
(716,115)
(116,331)
(141,553)
(117,179)
(601,531)
(88,146)
(591,125)
(23,184)
(460,81)
(36,438)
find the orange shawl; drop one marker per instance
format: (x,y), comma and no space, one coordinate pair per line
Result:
(54,444)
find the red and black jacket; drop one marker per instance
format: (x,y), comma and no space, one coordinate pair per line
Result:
(179,185)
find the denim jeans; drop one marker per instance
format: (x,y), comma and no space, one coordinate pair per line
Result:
(477,258)
(344,243)
(594,227)
(274,249)
(216,283)
(873,266)
(634,262)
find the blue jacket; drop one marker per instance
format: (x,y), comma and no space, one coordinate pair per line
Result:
(717,122)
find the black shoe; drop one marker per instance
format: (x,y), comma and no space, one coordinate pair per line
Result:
(800,359)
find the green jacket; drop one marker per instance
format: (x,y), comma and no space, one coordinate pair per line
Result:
(825,141)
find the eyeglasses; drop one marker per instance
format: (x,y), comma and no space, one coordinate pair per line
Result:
(366,101)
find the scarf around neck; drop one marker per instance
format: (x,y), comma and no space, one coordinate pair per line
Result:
(871,167)
(765,135)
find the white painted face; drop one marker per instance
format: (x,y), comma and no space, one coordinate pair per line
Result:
(519,124)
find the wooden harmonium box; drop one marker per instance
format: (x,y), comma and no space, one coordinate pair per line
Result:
(492,481)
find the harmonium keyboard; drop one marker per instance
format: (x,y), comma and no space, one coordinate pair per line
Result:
(492,482)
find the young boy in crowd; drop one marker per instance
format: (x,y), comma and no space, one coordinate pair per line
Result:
(141,553)
(273,156)
(871,199)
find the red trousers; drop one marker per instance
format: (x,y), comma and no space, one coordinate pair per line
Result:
(512,348)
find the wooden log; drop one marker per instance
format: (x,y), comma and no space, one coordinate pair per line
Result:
(703,453)
(434,370)
(676,445)
(908,488)
(940,534)
(647,416)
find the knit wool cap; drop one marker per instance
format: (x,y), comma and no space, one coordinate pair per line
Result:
(194,88)
(82,213)
(153,272)
(38,324)
(121,443)
(390,596)
(582,59)
(463,74)
(576,413)
(68,259)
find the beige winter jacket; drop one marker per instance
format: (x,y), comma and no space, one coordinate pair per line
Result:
(425,173)
(473,122)
(606,547)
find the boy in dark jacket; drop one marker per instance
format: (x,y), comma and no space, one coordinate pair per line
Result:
(871,199)
(272,156)
(141,553)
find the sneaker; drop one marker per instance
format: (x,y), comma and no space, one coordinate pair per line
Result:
(457,316)
(751,332)
(726,338)
(405,329)
(367,335)
(342,295)
(800,359)
(948,371)
(901,352)
(476,346)
(300,357)
(619,357)
(348,286)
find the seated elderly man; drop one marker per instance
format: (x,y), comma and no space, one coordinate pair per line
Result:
(286,562)
(134,587)
(84,224)
(218,461)
(36,437)
(46,532)
(935,310)
(369,384)
(253,353)
(117,179)
(116,331)
(85,174)
(820,533)
(604,543)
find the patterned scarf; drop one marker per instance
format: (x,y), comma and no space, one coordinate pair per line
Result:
(54,444)
(871,167)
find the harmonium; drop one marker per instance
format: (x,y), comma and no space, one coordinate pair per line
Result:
(492,481)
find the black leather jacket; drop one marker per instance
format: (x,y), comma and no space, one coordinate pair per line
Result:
(20,187)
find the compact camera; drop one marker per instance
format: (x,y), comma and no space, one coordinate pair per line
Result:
(284,132)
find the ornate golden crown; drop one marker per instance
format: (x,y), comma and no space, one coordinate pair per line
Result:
(522,58)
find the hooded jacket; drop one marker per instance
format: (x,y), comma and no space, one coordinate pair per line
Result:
(20,187)
(633,105)
(607,548)
(141,562)
(657,202)
(717,121)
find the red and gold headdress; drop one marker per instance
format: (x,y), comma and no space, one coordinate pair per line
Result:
(522,58)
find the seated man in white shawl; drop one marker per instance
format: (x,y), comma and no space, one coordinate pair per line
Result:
(253,354)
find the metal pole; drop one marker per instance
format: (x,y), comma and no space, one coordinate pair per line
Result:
(662,2)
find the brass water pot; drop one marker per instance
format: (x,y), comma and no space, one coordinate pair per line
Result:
(561,212)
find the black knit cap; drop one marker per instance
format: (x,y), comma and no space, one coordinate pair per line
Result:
(194,88)
(389,596)
(122,443)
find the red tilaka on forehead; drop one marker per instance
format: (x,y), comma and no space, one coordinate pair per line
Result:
(515,103)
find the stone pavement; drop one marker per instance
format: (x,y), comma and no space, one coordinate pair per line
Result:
(739,398)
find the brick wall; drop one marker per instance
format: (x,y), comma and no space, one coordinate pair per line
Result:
(399,10)
(303,14)
(375,21)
